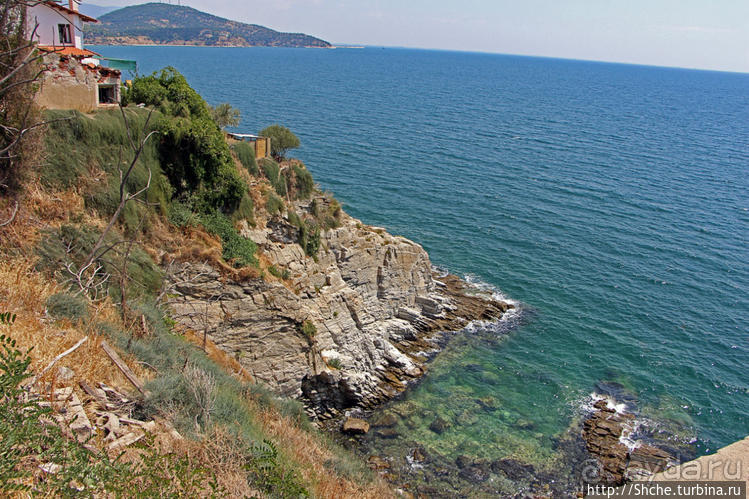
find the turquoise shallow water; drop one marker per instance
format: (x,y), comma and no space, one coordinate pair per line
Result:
(612,201)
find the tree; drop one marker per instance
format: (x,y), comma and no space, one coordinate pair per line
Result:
(281,140)
(224,115)
(19,70)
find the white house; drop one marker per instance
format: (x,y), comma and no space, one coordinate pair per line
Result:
(52,24)
(73,77)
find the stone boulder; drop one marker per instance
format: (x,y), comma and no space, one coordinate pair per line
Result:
(355,426)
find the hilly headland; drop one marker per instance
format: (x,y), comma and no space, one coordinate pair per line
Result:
(165,24)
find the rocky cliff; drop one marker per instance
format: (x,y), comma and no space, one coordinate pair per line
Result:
(348,328)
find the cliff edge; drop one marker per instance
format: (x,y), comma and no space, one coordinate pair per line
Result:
(348,328)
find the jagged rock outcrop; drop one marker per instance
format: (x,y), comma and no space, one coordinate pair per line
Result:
(602,433)
(373,299)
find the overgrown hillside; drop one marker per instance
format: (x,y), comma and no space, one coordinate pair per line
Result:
(164,24)
(116,199)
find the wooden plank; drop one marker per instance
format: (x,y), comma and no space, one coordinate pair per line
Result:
(130,375)
(127,440)
(100,397)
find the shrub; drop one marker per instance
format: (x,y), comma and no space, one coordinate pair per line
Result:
(196,159)
(192,150)
(272,172)
(294,219)
(66,305)
(274,204)
(309,237)
(168,90)
(284,274)
(281,139)
(335,363)
(181,215)
(298,180)
(304,182)
(245,210)
(238,250)
(246,155)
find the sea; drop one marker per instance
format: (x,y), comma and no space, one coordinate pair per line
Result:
(609,202)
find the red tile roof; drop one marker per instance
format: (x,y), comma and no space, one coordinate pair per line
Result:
(84,17)
(70,51)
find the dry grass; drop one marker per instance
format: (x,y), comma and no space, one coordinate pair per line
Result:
(307,450)
(24,292)
(223,359)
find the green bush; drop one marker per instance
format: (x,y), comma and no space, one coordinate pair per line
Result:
(272,172)
(169,90)
(245,210)
(246,155)
(294,219)
(66,305)
(309,237)
(181,215)
(191,147)
(274,204)
(335,363)
(304,184)
(238,250)
(281,139)
(197,160)
(224,115)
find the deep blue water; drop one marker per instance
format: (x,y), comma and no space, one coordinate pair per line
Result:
(611,200)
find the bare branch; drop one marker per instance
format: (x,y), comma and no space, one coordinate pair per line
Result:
(12,216)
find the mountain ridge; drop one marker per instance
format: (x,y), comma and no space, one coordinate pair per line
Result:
(165,24)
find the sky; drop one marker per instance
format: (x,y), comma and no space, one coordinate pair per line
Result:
(705,34)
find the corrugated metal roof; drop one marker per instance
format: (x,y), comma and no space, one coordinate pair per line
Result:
(245,136)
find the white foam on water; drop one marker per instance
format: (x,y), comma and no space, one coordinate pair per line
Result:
(629,429)
(484,287)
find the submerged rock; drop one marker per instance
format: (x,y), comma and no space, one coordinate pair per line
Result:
(463,461)
(513,469)
(378,463)
(419,455)
(476,472)
(524,424)
(387,433)
(387,420)
(355,426)
(439,425)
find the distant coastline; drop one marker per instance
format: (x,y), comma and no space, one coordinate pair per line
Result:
(158,24)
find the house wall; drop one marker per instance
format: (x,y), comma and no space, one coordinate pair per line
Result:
(68,84)
(262,147)
(48,18)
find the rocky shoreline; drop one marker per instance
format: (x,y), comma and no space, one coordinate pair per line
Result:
(350,328)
